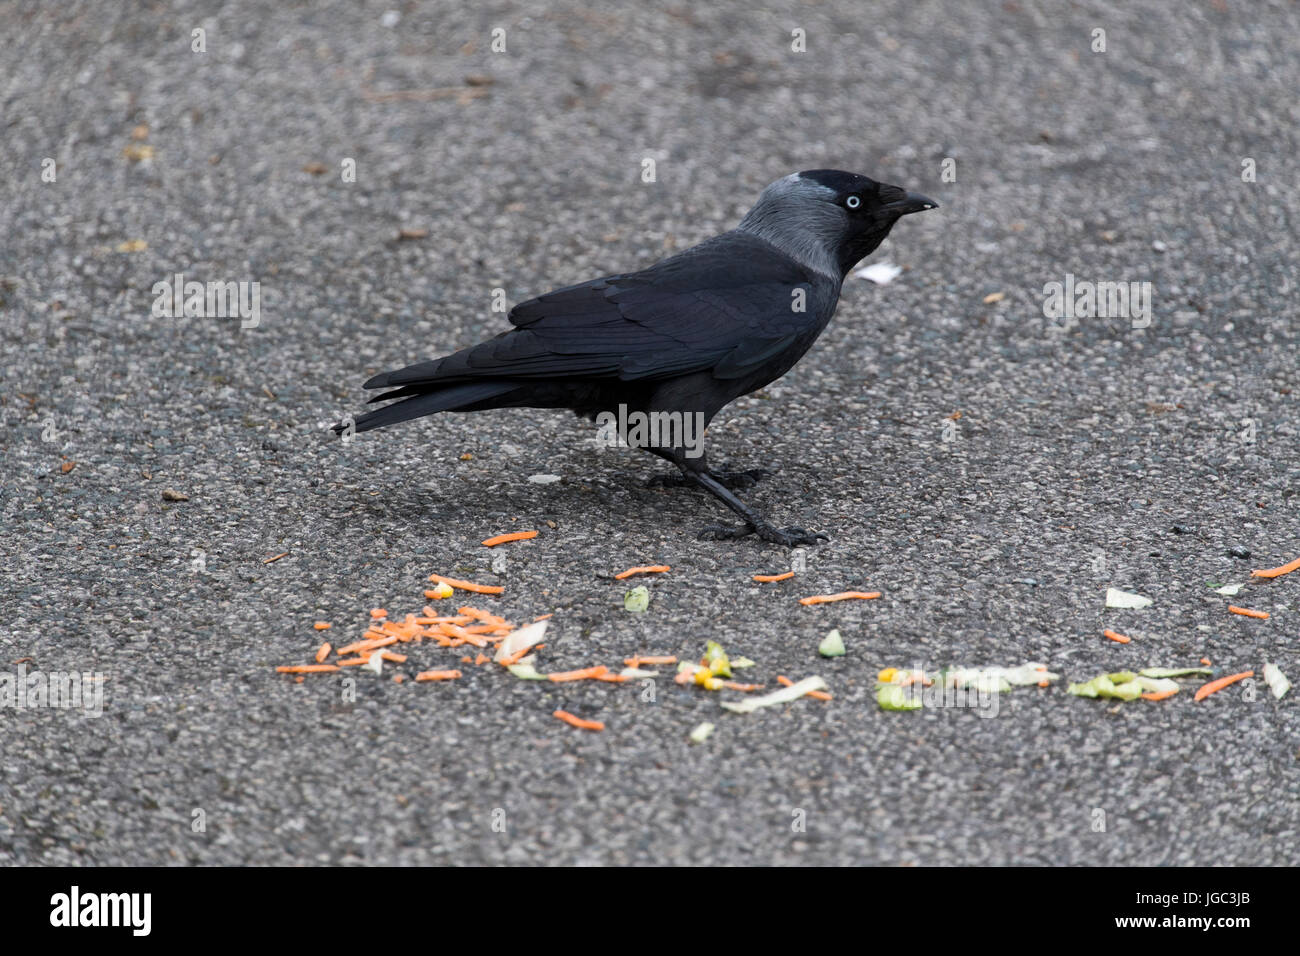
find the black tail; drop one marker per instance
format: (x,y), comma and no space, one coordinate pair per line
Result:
(448,398)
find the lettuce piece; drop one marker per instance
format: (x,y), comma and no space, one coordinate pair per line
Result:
(777,697)
(832,645)
(896,697)
(701,733)
(637,599)
(1276,681)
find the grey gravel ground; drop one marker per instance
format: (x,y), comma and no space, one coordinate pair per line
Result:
(1087,455)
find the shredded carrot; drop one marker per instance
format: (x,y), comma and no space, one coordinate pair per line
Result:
(276,557)
(1278,572)
(769,578)
(578,722)
(612,678)
(306,669)
(1205,661)
(299,679)
(361,661)
(1117,638)
(481,660)
(1044,683)
(395,658)
(513,536)
(645,569)
(398,678)
(1248,612)
(733,685)
(467,659)
(638,660)
(322,652)
(322,625)
(1214,686)
(438,675)
(842,596)
(1160,695)
(360,647)
(378,612)
(586,673)
(466,585)
(516,657)
(543,617)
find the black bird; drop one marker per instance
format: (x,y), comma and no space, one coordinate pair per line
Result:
(686,336)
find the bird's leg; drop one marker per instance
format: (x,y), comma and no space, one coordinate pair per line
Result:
(695,471)
(728,479)
(754,522)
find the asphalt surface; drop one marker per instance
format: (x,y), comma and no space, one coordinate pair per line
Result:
(1087,455)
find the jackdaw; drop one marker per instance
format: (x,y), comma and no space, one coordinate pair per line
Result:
(677,341)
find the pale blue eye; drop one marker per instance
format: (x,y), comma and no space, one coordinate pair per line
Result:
(853,202)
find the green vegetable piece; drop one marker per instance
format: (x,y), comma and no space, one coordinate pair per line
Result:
(637,599)
(832,645)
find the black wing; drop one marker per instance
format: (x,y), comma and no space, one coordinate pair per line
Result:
(725,305)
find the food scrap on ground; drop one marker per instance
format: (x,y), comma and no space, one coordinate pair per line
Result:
(512,536)
(701,732)
(644,569)
(1276,680)
(842,596)
(770,578)
(1116,637)
(1214,686)
(637,599)
(1123,599)
(1278,572)
(322,625)
(467,585)
(777,697)
(1248,612)
(578,722)
(892,683)
(832,645)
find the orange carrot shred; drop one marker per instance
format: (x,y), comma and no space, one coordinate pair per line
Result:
(467,585)
(1214,686)
(513,536)
(819,694)
(578,722)
(1248,612)
(481,660)
(306,669)
(658,659)
(438,675)
(1278,572)
(1159,695)
(586,673)
(543,617)
(395,658)
(1205,661)
(842,596)
(322,625)
(276,557)
(769,578)
(1117,638)
(645,569)
(322,652)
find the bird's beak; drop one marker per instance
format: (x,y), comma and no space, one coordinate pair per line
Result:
(910,203)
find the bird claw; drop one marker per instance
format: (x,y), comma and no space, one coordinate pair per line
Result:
(787,537)
(725,532)
(792,537)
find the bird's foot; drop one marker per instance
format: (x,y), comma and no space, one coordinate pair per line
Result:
(787,537)
(728,479)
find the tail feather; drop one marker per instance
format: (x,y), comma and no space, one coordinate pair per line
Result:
(444,399)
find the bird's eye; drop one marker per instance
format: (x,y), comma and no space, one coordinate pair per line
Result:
(853,202)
